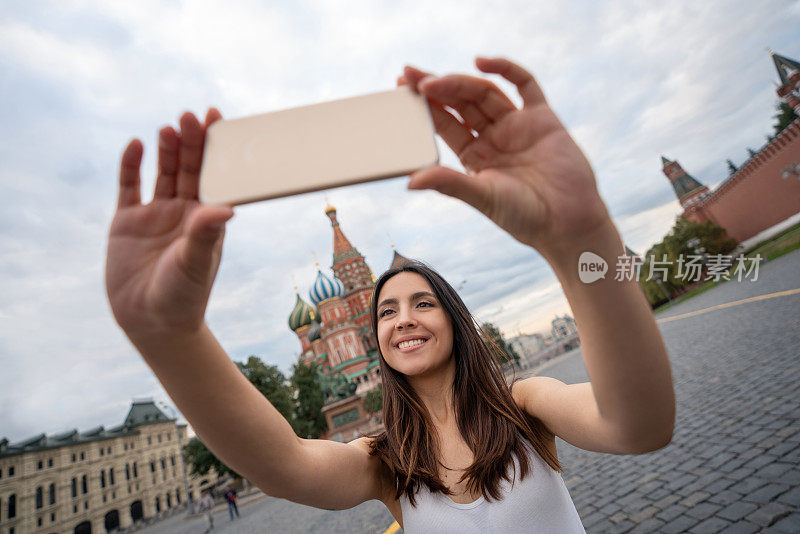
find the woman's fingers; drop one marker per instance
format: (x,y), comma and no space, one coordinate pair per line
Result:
(479,101)
(455,133)
(212,116)
(190,157)
(475,191)
(129,177)
(529,90)
(205,227)
(168,145)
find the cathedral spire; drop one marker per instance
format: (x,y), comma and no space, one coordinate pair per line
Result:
(342,248)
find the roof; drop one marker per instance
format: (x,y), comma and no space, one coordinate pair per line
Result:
(785,66)
(71,437)
(145,412)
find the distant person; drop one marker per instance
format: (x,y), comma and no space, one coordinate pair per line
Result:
(230,498)
(207,505)
(456,433)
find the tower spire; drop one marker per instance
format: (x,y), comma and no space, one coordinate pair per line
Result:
(688,190)
(342,248)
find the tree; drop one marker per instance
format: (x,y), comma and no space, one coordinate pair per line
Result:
(272,384)
(502,350)
(731,168)
(308,421)
(784,117)
(373,401)
(712,238)
(201,460)
(750,152)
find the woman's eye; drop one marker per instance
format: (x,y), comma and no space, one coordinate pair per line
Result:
(425,303)
(384,312)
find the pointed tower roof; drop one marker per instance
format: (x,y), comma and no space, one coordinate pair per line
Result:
(398,260)
(342,248)
(785,66)
(686,187)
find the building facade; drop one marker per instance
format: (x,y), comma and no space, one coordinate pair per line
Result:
(765,190)
(96,481)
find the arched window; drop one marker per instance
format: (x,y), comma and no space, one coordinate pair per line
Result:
(111,476)
(135,472)
(12,507)
(84,485)
(39,497)
(74,487)
(51,493)
(103,478)
(158,505)
(127,472)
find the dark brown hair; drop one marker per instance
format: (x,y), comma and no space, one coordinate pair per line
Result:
(488,418)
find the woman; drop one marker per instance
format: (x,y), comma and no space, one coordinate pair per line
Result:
(527,175)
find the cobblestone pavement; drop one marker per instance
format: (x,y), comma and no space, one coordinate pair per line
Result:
(732,465)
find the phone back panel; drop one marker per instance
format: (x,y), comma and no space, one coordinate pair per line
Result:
(315,147)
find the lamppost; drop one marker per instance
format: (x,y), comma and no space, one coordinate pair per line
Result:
(189,500)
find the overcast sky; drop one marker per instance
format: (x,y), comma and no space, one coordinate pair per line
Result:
(630,79)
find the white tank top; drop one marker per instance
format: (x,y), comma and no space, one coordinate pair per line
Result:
(538,504)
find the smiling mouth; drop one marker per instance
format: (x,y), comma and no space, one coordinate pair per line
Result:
(407,346)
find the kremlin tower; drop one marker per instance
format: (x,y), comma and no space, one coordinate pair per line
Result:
(688,190)
(789,74)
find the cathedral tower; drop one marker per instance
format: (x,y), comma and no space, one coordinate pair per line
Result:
(789,74)
(357,278)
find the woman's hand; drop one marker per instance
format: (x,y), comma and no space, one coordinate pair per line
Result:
(525,172)
(163,256)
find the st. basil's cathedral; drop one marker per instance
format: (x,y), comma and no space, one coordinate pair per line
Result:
(335,331)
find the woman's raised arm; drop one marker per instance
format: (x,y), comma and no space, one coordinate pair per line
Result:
(527,175)
(161,263)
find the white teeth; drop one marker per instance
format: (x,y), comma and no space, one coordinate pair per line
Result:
(412,343)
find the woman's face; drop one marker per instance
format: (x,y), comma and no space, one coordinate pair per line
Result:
(415,333)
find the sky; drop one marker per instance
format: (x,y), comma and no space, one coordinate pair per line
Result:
(631,80)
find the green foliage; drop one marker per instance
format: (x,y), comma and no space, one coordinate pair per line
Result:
(373,401)
(308,420)
(731,168)
(272,384)
(784,117)
(712,238)
(502,350)
(750,152)
(201,460)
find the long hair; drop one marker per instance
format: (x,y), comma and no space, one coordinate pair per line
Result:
(488,418)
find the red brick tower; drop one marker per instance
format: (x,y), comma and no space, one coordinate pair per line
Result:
(349,267)
(789,74)
(688,190)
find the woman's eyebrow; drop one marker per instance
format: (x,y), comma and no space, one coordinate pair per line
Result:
(415,296)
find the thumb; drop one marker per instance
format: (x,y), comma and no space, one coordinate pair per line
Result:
(474,190)
(205,228)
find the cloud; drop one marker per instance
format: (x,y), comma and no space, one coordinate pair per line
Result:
(630,79)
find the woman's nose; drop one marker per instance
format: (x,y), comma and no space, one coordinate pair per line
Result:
(404,321)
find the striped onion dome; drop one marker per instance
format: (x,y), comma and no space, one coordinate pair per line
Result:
(314,332)
(302,314)
(325,288)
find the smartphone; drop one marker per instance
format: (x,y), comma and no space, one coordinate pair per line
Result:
(309,148)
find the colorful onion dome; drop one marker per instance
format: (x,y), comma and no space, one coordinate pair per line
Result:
(314,332)
(302,314)
(324,288)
